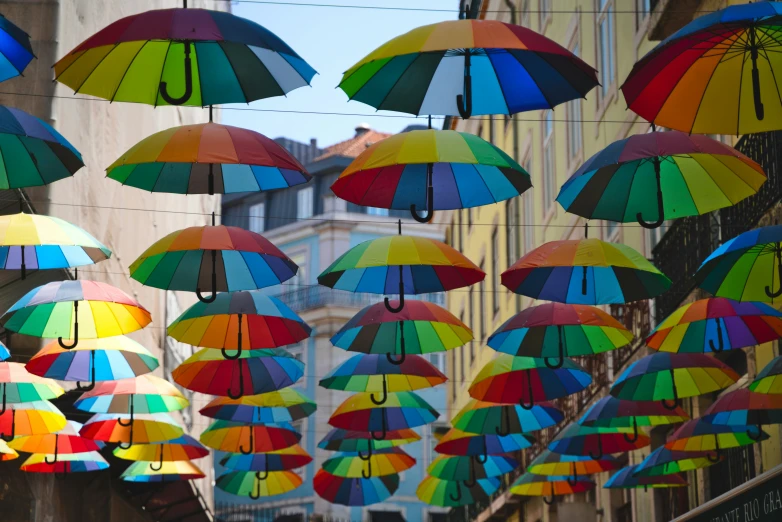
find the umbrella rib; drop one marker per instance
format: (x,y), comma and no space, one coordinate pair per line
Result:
(542,93)
(234,69)
(119,84)
(718,157)
(504,97)
(38,171)
(76,91)
(379,105)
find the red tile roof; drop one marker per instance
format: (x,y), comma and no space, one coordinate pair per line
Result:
(354,146)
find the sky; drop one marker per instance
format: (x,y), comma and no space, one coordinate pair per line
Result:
(331,40)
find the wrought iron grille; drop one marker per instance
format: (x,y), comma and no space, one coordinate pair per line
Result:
(737,467)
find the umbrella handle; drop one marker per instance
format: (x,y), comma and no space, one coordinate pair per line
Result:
(241,448)
(255,494)
(527,406)
(75,329)
(634,438)
(91,386)
(241,385)
(584,280)
(483,457)
(718,453)
(188,82)
(5,437)
(458,496)
(504,427)
(65,468)
(599,450)
(4,408)
(548,501)
(239,344)
(23,267)
(573,480)
(211,179)
(472,480)
(368,472)
(384,431)
(753,50)
(429,210)
(561,358)
(212,297)
(720,341)
(160,466)
(672,406)
(403,353)
(369,452)
(384,397)
(779,271)
(660,209)
(397,309)
(56,445)
(130,421)
(265,469)
(755,436)
(464,103)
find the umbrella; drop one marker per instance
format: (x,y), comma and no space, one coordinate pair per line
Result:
(743,407)
(247,484)
(158,453)
(449,493)
(70,463)
(208,371)
(691,175)
(30,418)
(401,410)
(663,461)
(716,75)
(230,436)
(217,258)
(7,453)
(52,310)
(239,320)
(745,268)
(354,491)
(400,265)
(431,70)
(375,373)
(610,412)
(503,419)
(464,468)
(362,441)
(626,478)
(459,443)
(559,330)
(286,459)
(207,158)
(716,324)
(34,154)
(192,57)
(286,405)
(420,327)
(699,435)
(585,271)
(5,354)
(526,381)
(94,360)
(431,170)
(21,386)
(144,428)
(769,380)
(42,242)
(548,487)
(382,462)
(66,441)
(572,466)
(15,50)
(664,376)
(582,441)
(143,471)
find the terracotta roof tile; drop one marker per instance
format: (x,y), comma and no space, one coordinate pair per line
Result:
(354,146)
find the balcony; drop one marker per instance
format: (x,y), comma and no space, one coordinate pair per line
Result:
(310,297)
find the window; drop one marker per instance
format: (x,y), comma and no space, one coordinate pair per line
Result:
(549,174)
(512,231)
(545,13)
(300,279)
(573,117)
(606,61)
(437,359)
(374,211)
(611,228)
(258,217)
(304,201)
(642,10)
(495,271)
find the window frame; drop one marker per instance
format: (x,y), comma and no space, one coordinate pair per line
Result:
(308,194)
(574,113)
(252,217)
(549,167)
(606,92)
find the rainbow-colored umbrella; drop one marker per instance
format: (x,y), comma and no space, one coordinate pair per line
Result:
(145,428)
(381,462)
(231,437)
(192,57)
(670,376)
(7,453)
(585,271)
(502,419)
(400,410)
(428,170)
(450,493)
(464,468)
(459,443)
(571,466)
(626,478)
(716,324)
(158,453)
(548,487)
(213,258)
(30,418)
(743,407)
(285,459)
(716,75)
(286,405)
(610,412)
(420,327)
(16,53)
(354,491)
(247,484)
(583,441)
(143,471)
(207,158)
(526,381)
(556,330)
(690,174)
(769,380)
(70,463)
(699,435)
(19,385)
(52,310)
(66,441)
(362,442)
(663,461)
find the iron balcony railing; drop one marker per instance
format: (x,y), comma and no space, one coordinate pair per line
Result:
(310,297)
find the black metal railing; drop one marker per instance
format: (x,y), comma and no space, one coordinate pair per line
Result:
(309,297)
(254,513)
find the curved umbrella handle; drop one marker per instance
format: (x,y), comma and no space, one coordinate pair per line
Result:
(75,329)
(384,431)
(212,297)
(368,454)
(91,386)
(188,82)
(779,273)
(56,451)
(24,267)
(458,496)
(483,458)
(634,437)
(384,397)
(160,463)
(504,428)
(255,494)
(241,385)
(755,436)
(599,454)
(672,406)
(720,341)
(130,410)
(65,469)
(265,469)
(718,452)
(660,209)
(573,480)
(368,472)
(464,103)
(252,444)
(548,501)
(403,353)
(4,407)
(239,344)
(561,358)
(397,309)
(527,406)
(753,50)
(471,482)
(9,438)
(429,210)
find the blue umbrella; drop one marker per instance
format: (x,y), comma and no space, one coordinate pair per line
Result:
(15,50)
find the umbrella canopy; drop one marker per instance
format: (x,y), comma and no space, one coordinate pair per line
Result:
(30,418)
(286,405)
(69,463)
(7,453)
(432,69)
(65,442)
(381,462)
(585,271)
(143,471)
(556,330)
(663,461)
(690,174)
(526,381)
(465,468)
(699,435)
(19,385)
(716,75)
(460,443)
(401,410)
(716,324)
(207,158)
(362,441)
(769,380)
(34,154)
(16,53)
(745,268)
(610,412)
(354,491)
(192,57)
(451,493)
(286,459)
(4,352)
(158,453)
(743,407)
(584,441)
(214,259)
(626,478)
(143,428)
(239,438)
(548,487)
(502,419)
(572,466)
(430,170)
(52,310)
(247,484)
(664,376)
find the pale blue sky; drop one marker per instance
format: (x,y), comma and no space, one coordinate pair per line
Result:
(331,40)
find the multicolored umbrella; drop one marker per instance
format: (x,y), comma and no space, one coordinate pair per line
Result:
(247,484)
(354,491)
(665,376)
(144,428)
(143,471)
(239,321)
(400,410)
(7,453)
(449,493)
(690,174)
(571,466)
(146,58)
(459,443)
(231,436)
(19,385)
(743,407)
(610,412)
(465,468)
(716,324)
(420,327)
(362,441)
(34,154)
(626,478)
(699,435)
(431,170)
(286,459)
(207,158)
(218,258)
(5,354)
(64,442)
(30,418)
(584,441)
(716,75)
(52,310)
(16,53)
(502,419)
(525,381)
(431,70)
(400,265)
(69,463)
(769,380)
(548,487)
(175,450)
(585,271)
(663,461)
(381,462)
(375,373)
(556,330)
(286,405)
